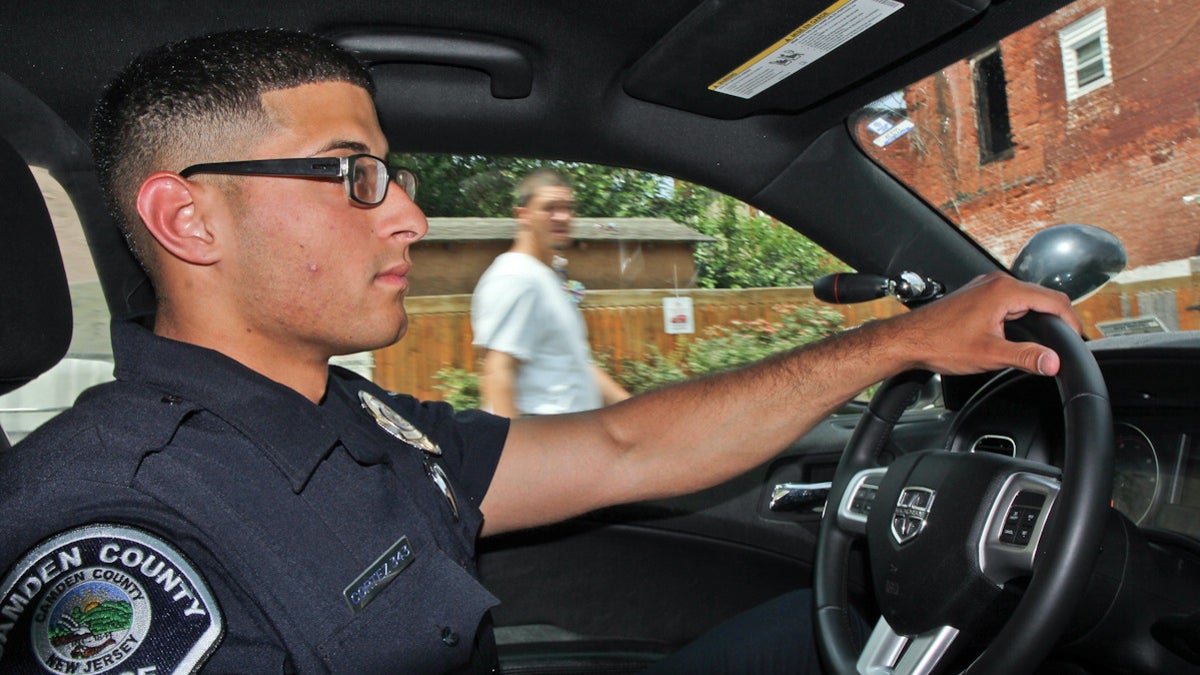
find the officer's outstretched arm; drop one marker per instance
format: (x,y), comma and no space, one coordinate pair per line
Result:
(690,436)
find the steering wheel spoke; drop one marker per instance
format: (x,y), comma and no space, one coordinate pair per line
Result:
(858,500)
(1015,526)
(888,653)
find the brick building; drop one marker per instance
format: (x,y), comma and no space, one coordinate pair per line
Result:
(606,253)
(1089,116)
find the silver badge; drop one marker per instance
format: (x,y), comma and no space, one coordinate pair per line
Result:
(394,424)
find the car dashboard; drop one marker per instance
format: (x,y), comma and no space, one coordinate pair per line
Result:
(1153,382)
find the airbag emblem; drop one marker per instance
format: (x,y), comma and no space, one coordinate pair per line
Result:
(912,511)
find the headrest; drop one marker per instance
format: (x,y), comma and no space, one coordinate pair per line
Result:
(35,303)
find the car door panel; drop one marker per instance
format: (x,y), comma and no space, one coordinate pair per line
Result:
(664,571)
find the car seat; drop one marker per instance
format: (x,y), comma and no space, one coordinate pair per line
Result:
(35,302)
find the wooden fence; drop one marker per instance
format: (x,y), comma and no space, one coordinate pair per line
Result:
(626,323)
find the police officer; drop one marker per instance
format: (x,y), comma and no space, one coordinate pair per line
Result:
(231,501)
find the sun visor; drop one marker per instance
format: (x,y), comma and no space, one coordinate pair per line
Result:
(734,59)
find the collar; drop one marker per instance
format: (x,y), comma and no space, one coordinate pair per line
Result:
(293,433)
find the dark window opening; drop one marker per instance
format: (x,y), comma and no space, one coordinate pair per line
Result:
(991,109)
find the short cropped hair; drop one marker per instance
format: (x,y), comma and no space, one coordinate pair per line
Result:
(536,180)
(199,100)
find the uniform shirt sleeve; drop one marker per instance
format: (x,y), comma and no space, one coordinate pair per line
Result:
(164,602)
(472,441)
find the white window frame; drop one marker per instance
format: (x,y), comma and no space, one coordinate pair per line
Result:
(1070,39)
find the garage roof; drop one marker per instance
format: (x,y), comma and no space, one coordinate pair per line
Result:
(589,229)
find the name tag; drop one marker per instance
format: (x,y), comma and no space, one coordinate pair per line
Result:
(376,577)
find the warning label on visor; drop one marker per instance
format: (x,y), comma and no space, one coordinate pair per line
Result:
(839,23)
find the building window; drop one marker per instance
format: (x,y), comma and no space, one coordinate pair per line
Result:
(991,108)
(1086,64)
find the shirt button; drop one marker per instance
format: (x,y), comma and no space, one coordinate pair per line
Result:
(449,637)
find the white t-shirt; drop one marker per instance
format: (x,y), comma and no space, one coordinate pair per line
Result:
(520,308)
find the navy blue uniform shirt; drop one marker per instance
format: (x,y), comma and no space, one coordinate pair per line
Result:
(196,513)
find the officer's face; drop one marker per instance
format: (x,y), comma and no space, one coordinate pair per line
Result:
(313,269)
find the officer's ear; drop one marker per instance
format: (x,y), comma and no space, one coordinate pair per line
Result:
(173,210)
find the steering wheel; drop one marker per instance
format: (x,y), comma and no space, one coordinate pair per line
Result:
(946,533)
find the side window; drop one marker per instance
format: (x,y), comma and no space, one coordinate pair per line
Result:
(673,280)
(89,358)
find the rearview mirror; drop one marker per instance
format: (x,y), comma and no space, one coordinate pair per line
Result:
(1074,259)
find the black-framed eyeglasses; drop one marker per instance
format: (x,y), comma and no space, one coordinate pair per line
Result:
(366,176)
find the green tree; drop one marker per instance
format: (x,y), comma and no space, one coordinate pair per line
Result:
(754,251)
(482,187)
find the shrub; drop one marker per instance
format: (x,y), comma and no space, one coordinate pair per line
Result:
(730,345)
(718,348)
(461,387)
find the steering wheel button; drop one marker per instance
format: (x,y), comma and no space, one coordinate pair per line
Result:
(1024,534)
(1008,535)
(1013,518)
(1029,517)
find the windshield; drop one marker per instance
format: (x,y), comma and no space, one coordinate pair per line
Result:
(1086,117)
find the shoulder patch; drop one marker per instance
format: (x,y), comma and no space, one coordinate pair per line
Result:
(105,597)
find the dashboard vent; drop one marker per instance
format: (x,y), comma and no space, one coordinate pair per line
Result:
(999,445)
